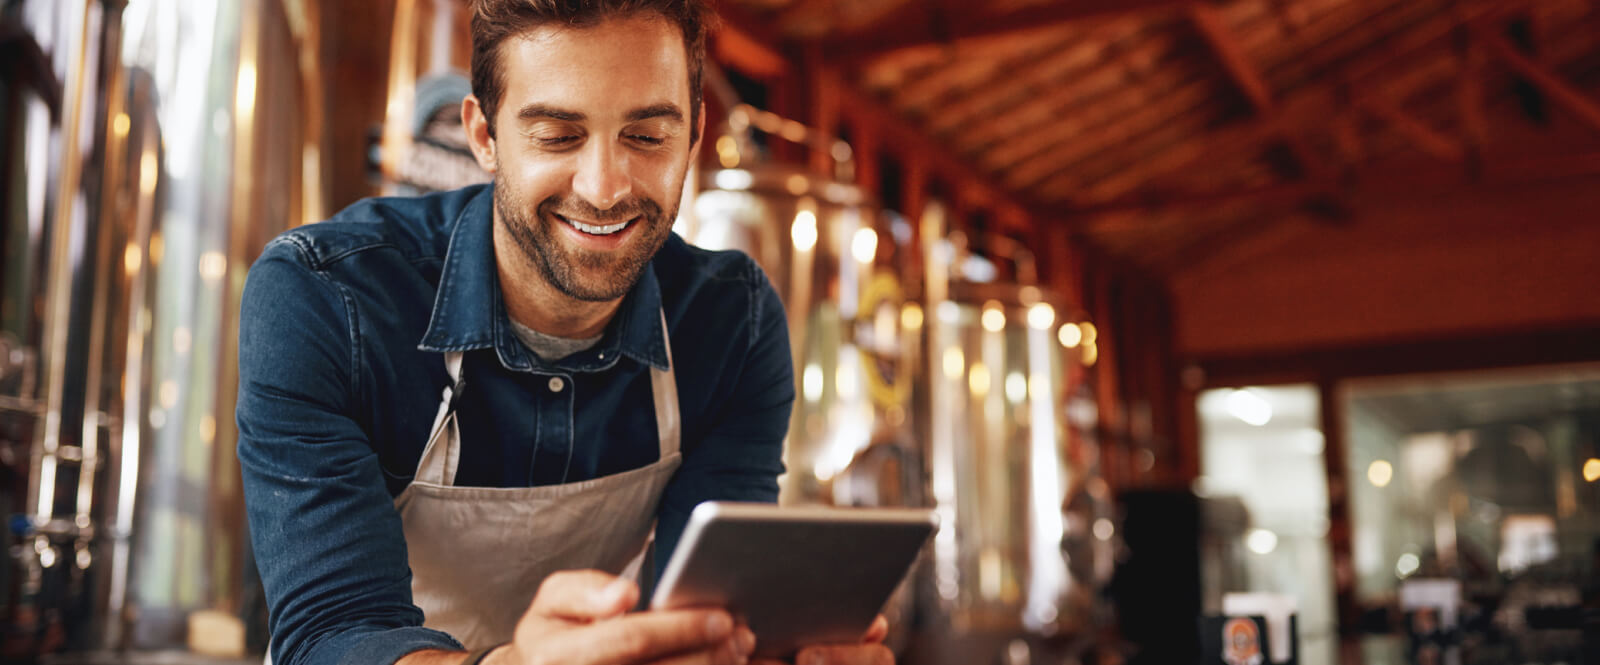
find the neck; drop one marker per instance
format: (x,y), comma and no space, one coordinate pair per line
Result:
(533,301)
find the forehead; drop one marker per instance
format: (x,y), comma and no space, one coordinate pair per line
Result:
(619,63)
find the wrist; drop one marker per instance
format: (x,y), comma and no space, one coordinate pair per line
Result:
(495,655)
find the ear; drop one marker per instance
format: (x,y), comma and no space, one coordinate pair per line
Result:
(477,126)
(700,135)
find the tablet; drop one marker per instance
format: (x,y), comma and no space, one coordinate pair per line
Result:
(797,576)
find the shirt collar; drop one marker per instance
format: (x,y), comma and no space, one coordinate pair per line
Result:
(469,311)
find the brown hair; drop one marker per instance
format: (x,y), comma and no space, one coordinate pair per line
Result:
(493,21)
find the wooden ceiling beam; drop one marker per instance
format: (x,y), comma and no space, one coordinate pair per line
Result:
(1355,80)
(1398,179)
(1421,135)
(914,147)
(1249,80)
(1587,110)
(1194,202)
(914,25)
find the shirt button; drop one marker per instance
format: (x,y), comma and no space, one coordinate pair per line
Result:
(556,384)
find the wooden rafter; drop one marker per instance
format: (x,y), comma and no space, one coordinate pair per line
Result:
(1564,93)
(1350,28)
(1423,136)
(1389,180)
(1370,74)
(1249,80)
(914,146)
(916,26)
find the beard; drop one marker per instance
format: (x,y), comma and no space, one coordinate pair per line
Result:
(579,273)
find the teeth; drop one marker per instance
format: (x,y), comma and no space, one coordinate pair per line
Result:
(598,230)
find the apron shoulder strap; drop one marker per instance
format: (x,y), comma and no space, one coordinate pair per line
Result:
(664,388)
(443,452)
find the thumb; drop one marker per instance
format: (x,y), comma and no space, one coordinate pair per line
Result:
(584,595)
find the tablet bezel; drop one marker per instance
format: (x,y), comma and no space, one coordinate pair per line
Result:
(709,513)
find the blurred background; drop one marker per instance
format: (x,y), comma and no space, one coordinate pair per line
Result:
(1178,312)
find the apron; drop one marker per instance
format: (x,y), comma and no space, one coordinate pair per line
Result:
(478,554)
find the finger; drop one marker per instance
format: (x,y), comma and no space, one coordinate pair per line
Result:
(584,595)
(641,637)
(878,631)
(855,654)
(734,651)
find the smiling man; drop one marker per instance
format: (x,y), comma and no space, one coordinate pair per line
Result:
(463,415)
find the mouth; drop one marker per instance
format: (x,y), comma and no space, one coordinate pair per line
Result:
(597,229)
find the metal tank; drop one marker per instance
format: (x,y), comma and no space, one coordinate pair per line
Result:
(1013,464)
(150,149)
(837,260)
(922,383)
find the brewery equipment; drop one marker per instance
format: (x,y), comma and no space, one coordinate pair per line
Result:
(151,149)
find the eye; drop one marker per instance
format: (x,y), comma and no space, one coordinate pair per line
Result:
(556,141)
(647,139)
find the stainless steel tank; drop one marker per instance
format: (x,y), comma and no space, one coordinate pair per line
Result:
(922,382)
(146,162)
(1011,471)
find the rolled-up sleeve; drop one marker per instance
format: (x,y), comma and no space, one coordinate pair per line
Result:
(327,538)
(741,455)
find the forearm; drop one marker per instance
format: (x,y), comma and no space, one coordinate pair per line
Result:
(433,657)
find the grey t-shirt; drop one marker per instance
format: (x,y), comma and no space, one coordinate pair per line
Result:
(550,348)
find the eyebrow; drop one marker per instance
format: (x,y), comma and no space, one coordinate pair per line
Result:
(668,111)
(542,111)
(537,111)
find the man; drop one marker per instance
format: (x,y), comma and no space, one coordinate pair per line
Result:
(460,414)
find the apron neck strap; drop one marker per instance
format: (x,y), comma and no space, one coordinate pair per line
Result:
(664,390)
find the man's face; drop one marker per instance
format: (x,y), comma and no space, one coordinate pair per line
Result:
(592,144)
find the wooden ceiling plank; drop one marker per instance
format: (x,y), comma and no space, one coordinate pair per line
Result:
(1126,154)
(1352,28)
(965,70)
(906,29)
(1096,119)
(959,107)
(1069,147)
(1101,88)
(1562,92)
(811,19)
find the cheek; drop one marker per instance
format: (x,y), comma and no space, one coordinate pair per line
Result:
(533,180)
(665,179)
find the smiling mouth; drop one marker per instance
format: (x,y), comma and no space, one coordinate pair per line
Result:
(595,229)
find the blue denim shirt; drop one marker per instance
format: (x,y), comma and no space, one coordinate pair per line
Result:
(342,335)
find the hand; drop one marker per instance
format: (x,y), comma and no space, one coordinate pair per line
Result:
(869,652)
(581,618)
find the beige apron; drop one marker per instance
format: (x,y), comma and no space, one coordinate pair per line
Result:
(478,554)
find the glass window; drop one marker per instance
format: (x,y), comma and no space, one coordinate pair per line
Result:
(1264,485)
(1487,479)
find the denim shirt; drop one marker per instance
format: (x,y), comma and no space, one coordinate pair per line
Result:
(342,333)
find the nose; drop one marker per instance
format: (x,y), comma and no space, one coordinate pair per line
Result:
(602,178)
